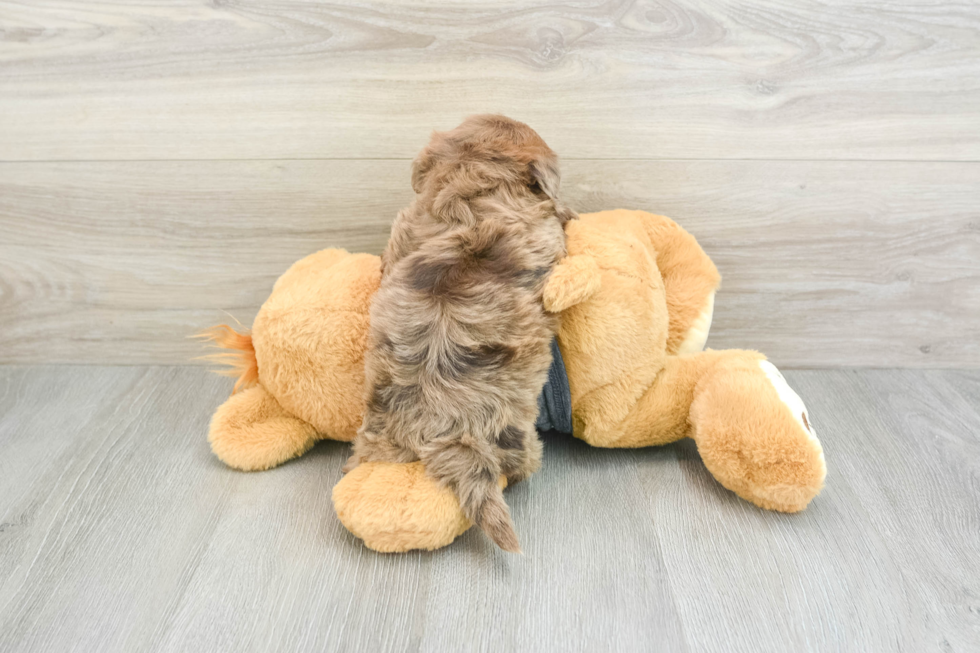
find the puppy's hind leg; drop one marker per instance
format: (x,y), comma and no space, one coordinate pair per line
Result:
(520,452)
(371,447)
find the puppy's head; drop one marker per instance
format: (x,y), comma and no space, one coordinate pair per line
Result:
(486,153)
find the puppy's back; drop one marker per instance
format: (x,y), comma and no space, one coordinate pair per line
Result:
(465,348)
(460,342)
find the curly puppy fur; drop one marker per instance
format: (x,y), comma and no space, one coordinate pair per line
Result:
(459,346)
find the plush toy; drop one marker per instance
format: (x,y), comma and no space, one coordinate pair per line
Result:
(636,294)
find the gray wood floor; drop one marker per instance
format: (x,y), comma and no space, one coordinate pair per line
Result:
(120,532)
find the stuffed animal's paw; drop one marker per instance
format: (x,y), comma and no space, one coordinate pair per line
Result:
(755,435)
(396,507)
(575,279)
(252,432)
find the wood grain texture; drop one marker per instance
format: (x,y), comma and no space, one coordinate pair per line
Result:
(241,79)
(161,163)
(120,532)
(824,263)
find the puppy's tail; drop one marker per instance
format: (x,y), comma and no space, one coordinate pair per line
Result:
(473,476)
(240,360)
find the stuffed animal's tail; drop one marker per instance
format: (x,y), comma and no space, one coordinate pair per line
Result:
(473,477)
(241,360)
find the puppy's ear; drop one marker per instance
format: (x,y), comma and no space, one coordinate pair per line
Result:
(546,177)
(420,167)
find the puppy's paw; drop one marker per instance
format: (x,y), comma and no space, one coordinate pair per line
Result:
(574,280)
(351,463)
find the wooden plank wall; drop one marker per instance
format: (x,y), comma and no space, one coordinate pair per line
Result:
(163,162)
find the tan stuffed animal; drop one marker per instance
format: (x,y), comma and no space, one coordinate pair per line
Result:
(636,295)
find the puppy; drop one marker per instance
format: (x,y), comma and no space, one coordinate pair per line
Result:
(459,345)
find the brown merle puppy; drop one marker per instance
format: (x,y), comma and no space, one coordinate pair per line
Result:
(459,346)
